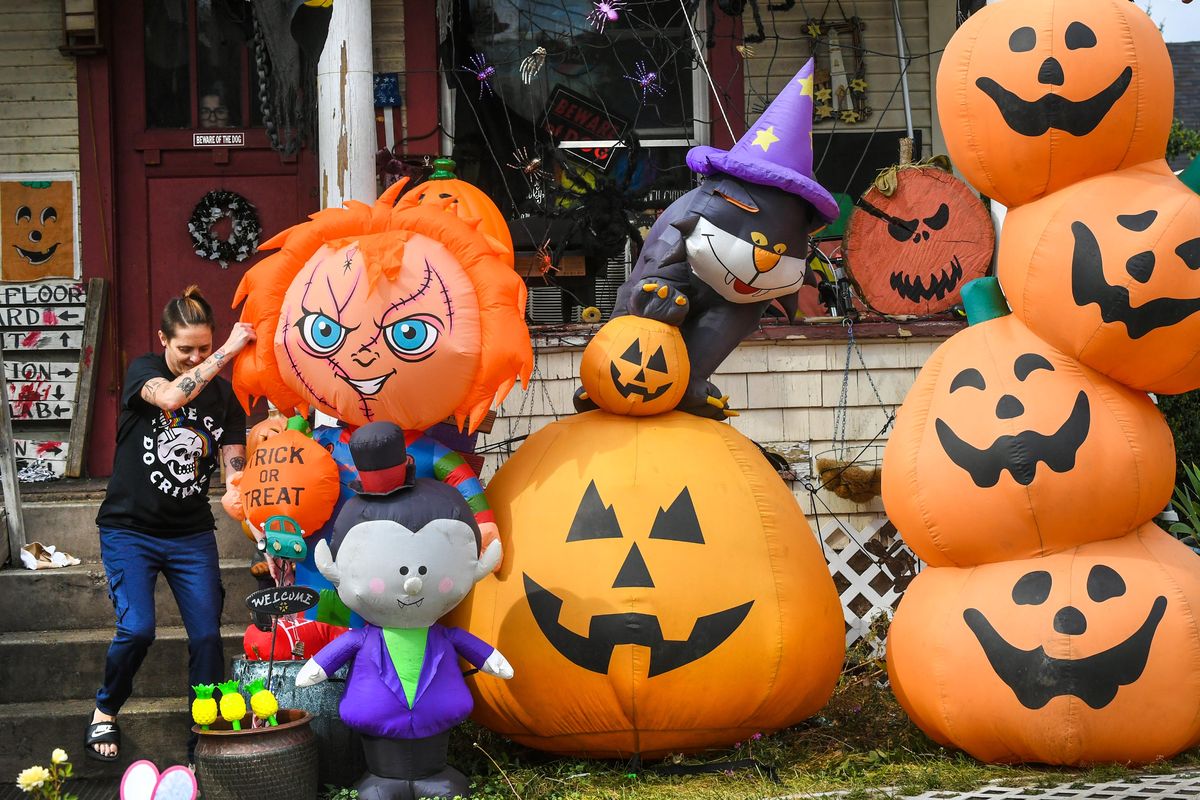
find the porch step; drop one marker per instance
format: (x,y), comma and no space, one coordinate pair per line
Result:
(69,523)
(155,728)
(70,663)
(71,598)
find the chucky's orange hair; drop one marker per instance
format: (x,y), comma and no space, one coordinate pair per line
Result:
(505,350)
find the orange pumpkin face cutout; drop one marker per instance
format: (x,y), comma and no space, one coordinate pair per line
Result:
(911,252)
(618,595)
(1034,95)
(1001,438)
(369,343)
(1109,272)
(1067,659)
(635,365)
(37,228)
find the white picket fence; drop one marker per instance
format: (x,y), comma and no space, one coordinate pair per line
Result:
(871,568)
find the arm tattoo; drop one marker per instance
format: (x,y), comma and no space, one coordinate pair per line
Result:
(237,463)
(218,356)
(187,386)
(198,376)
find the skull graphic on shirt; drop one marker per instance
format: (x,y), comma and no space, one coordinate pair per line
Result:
(179,450)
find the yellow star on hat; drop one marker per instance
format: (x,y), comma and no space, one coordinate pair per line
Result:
(765,137)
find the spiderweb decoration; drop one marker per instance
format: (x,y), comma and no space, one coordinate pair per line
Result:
(575,115)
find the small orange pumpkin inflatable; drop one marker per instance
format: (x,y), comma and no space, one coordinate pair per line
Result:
(635,365)
(1002,438)
(468,201)
(290,474)
(1034,95)
(1108,271)
(1075,658)
(660,587)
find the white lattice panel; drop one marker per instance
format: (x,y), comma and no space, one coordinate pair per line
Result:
(866,565)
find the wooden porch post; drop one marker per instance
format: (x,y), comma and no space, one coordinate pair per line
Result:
(346,108)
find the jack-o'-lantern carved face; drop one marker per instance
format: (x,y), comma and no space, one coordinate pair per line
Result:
(1035,677)
(663,579)
(594,520)
(999,438)
(1119,279)
(365,342)
(1036,95)
(1063,659)
(38,227)
(911,251)
(635,365)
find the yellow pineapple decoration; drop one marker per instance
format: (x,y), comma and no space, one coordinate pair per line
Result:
(262,702)
(204,708)
(233,705)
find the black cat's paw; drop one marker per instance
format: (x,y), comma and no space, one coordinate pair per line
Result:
(660,301)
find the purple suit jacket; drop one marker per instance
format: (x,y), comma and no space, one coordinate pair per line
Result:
(374,702)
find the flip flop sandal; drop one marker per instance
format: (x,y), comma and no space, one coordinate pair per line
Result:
(102,733)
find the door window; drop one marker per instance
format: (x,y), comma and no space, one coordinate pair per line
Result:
(199,65)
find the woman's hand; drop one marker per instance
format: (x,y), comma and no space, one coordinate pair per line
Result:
(241,335)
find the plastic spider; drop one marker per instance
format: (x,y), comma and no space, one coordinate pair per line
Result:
(529,166)
(604,12)
(483,72)
(543,259)
(647,80)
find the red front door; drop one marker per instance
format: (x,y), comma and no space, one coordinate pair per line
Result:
(185,78)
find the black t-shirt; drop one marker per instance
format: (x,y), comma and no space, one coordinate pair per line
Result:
(164,459)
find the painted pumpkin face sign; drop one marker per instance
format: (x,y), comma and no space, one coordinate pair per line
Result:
(37,224)
(365,344)
(617,591)
(635,365)
(999,438)
(909,253)
(1116,283)
(1066,659)
(1035,95)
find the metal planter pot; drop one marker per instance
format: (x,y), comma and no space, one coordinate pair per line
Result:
(255,763)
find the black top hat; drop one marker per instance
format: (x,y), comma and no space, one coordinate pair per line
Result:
(379,455)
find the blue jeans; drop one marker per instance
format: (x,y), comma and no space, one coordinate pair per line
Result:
(132,561)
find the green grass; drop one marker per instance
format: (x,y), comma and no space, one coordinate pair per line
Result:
(861,743)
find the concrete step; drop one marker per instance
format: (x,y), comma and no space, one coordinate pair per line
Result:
(155,728)
(69,523)
(70,664)
(71,598)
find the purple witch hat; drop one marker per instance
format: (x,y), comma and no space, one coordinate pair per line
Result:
(777,150)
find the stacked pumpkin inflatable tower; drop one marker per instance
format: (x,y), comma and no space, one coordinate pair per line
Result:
(1056,622)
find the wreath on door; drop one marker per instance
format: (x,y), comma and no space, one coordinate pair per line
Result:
(243,238)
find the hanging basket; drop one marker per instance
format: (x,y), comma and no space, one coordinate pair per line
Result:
(850,474)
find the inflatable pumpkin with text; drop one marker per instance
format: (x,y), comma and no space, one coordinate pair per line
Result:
(661,590)
(1034,95)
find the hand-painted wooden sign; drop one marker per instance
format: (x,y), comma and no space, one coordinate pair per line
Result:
(38,227)
(42,409)
(41,371)
(47,456)
(41,340)
(280,600)
(40,390)
(44,294)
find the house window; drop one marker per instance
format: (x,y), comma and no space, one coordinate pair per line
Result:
(199,65)
(578,134)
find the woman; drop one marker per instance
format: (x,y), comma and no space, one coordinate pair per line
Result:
(176,415)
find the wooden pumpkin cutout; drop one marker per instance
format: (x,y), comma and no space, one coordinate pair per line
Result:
(1002,438)
(635,365)
(1108,271)
(1075,658)
(910,251)
(661,588)
(1034,95)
